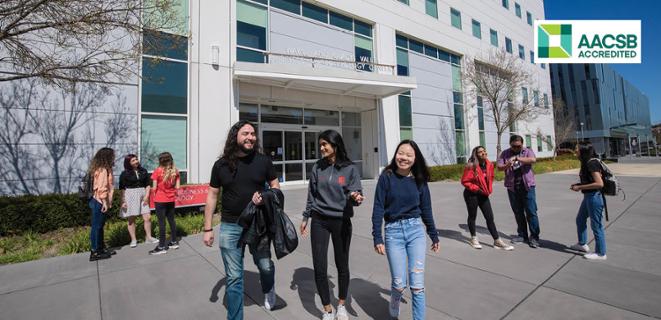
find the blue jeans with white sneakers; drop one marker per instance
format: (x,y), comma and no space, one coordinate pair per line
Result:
(405,249)
(592,207)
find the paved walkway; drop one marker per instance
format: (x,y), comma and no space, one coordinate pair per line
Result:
(461,283)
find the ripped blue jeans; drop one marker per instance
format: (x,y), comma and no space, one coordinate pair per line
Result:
(405,247)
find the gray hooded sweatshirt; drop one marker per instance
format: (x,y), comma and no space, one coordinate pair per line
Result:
(329,190)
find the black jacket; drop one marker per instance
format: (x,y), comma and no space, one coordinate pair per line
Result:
(267,222)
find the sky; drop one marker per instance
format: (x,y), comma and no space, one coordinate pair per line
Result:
(646,75)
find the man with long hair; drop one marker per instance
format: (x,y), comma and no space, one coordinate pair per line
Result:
(242,171)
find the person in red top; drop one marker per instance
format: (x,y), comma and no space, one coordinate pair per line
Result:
(165,182)
(478,180)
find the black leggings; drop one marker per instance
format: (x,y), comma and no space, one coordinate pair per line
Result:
(339,230)
(474,200)
(165,210)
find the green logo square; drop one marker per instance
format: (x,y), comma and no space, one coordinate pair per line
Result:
(554,40)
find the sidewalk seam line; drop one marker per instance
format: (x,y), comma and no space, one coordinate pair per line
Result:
(571,258)
(98,281)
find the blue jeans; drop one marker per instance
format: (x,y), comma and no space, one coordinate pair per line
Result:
(524,205)
(233,261)
(592,207)
(98,220)
(405,248)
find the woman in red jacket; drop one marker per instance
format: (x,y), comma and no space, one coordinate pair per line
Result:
(478,179)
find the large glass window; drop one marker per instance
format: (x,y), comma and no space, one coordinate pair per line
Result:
(158,43)
(455,18)
(293,6)
(313,12)
(477,29)
(160,134)
(431,8)
(251,25)
(277,114)
(341,21)
(456,78)
(248,112)
(402,62)
(164,86)
(494,37)
(321,117)
(405,116)
(363,53)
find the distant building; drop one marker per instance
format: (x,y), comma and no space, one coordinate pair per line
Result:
(608,110)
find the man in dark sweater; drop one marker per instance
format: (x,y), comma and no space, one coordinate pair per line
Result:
(242,173)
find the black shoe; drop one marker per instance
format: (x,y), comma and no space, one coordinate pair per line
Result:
(158,250)
(99,255)
(110,251)
(173,245)
(534,243)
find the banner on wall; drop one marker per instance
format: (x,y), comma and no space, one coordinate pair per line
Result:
(193,195)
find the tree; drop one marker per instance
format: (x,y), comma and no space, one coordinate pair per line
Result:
(499,79)
(78,40)
(564,124)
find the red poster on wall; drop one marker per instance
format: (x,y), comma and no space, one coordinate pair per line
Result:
(192,195)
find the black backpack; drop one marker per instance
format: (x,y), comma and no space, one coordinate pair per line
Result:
(86,188)
(611,185)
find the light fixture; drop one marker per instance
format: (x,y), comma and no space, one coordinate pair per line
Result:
(215,55)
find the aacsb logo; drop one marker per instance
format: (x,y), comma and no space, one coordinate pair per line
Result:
(587,41)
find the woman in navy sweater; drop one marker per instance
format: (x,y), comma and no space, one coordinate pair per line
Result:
(402,199)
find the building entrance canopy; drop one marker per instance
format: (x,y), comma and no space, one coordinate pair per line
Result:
(326,80)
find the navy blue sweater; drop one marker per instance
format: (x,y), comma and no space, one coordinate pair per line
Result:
(398,197)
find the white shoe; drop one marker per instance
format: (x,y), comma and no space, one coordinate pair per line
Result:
(133,244)
(499,244)
(475,243)
(341,313)
(394,305)
(151,240)
(328,315)
(580,247)
(594,256)
(269,299)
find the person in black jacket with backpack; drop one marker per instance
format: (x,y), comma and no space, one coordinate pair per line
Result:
(592,206)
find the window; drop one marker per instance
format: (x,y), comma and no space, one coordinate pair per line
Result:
(457,98)
(508,44)
(513,128)
(251,22)
(522,52)
(517,9)
(529,18)
(363,53)
(406,2)
(477,29)
(341,21)
(455,18)
(163,133)
(494,37)
(431,8)
(402,41)
(528,141)
(480,121)
(532,57)
(524,95)
(549,143)
(546,101)
(431,51)
(416,46)
(158,43)
(535,97)
(539,144)
(506,4)
(164,86)
(313,12)
(402,62)
(405,117)
(293,6)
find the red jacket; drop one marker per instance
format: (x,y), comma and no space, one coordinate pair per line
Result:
(473,179)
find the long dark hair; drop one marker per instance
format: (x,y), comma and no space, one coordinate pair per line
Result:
(103,159)
(585,153)
(231,150)
(166,162)
(474,160)
(127,162)
(335,140)
(419,168)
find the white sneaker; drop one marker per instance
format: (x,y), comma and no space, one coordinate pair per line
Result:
(580,247)
(133,244)
(394,305)
(151,240)
(328,315)
(499,244)
(594,256)
(341,313)
(475,243)
(269,299)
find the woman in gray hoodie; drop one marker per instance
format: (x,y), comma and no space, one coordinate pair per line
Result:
(334,189)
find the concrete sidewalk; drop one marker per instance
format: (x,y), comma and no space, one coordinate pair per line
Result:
(461,283)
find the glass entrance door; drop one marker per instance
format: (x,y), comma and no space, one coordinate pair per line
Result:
(292,151)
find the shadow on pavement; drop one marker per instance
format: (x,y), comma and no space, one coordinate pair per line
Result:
(303,282)
(484,231)
(250,280)
(368,296)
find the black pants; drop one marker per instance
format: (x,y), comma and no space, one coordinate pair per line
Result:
(474,200)
(339,230)
(165,210)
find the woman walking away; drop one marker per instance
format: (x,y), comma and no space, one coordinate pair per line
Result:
(333,191)
(402,199)
(478,179)
(101,172)
(135,185)
(592,205)
(165,181)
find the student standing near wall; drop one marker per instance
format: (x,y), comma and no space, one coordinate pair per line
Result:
(165,181)
(102,189)
(135,186)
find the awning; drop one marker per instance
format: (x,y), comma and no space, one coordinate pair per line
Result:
(326,80)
